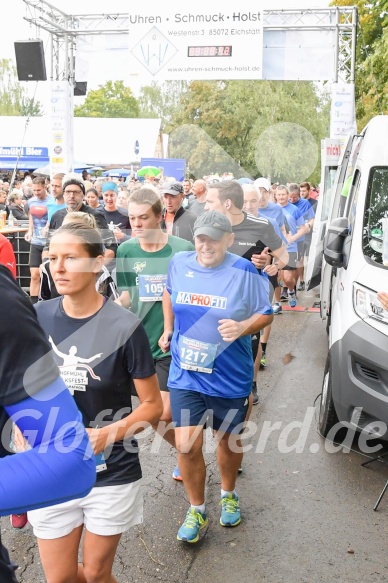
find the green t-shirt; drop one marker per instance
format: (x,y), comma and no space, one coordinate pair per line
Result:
(143,274)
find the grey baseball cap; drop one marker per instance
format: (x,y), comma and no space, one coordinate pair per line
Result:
(213,224)
(173,188)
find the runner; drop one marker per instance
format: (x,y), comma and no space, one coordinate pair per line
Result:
(213,302)
(142,265)
(296,228)
(40,475)
(74,192)
(176,220)
(37,231)
(100,349)
(253,236)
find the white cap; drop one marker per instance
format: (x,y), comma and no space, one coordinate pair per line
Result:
(262,183)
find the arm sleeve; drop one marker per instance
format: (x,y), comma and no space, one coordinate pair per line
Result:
(60,464)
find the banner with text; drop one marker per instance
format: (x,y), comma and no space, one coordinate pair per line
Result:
(208,41)
(61,152)
(343,110)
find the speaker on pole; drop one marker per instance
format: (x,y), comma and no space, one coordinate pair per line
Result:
(30,63)
(80,88)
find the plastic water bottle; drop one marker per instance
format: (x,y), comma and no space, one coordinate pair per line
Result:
(384,223)
(11,219)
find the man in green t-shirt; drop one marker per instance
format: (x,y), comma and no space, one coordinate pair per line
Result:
(142,265)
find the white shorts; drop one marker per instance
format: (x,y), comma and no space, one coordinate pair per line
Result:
(104,511)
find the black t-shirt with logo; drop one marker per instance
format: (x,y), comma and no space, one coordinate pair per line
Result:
(253,235)
(97,358)
(119,218)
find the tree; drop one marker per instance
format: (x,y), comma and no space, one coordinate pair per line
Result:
(110,100)
(220,124)
(14,99)
(161,101)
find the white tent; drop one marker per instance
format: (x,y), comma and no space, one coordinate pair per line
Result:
(97,141)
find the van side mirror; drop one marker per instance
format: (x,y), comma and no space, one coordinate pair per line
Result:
(334,242)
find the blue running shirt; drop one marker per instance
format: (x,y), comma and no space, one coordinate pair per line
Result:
(272,211)
(200,298)
(294,219)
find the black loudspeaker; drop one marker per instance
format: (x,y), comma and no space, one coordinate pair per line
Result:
(30,63)
(80,88)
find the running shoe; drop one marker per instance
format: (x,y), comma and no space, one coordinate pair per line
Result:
(292,299)
(239,471)
(277,308)
(177,475)
(194,522)
(263,361)
(301,286)
(255,396)
(230,513)
(284,295)
(19,520)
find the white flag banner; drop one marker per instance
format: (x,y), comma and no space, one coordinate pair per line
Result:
(343,110)
(61,151)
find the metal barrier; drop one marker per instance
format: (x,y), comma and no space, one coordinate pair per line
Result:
(22,253)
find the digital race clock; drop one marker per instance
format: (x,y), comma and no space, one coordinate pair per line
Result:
(220,51)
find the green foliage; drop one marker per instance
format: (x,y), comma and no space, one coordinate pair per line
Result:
(110,100)
(371,71)
(219,125)
(161,101)
(14,99)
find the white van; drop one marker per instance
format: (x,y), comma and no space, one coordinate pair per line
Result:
(355,384)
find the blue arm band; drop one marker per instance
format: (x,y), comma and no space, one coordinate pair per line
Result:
(60,466)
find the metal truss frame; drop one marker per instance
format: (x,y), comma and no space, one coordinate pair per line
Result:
(64,29)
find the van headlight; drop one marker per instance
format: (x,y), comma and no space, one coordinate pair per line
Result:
(367,305)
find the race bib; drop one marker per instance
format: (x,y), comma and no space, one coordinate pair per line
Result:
(197,355)
(151,287)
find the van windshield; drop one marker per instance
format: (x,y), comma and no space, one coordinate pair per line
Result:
(376,209)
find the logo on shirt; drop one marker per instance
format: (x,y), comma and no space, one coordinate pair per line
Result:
(139,266)
(201,300)
(190,274)
(75,369)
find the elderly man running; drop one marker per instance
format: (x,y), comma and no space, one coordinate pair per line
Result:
(213,302)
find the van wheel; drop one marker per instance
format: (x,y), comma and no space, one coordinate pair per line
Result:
(327,415)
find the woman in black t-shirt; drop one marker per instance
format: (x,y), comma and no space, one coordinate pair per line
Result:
(99,348)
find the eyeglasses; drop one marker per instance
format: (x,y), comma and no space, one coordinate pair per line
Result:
(73,192)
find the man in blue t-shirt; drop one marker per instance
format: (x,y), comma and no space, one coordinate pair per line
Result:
(267,209)
(213,302)
(37,231)
(304,242)
(58,201)
(296,229)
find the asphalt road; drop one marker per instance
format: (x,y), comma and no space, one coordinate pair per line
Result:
(307,512)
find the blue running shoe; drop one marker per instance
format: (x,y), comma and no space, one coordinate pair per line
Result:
(230,513)
(277,308)
(194,522)
(177,475)
(292,299)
